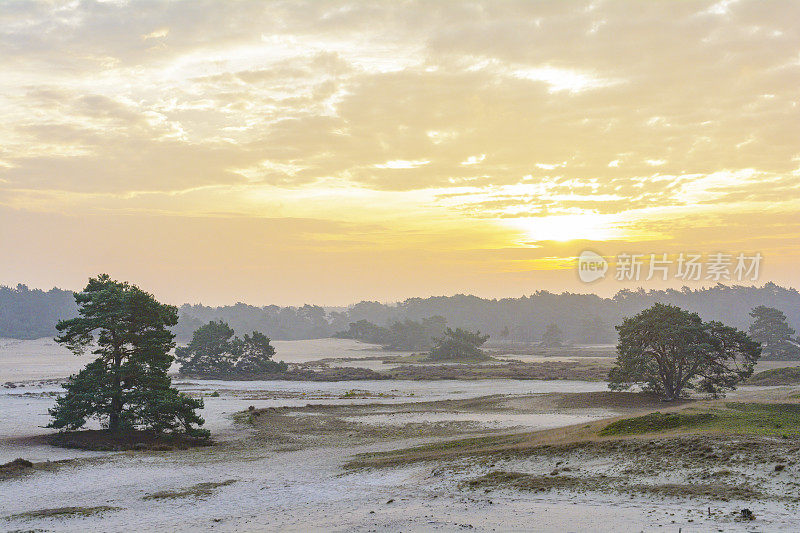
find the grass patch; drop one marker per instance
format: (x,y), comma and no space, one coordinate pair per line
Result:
(62,512)
(533,482)
(780,420)
(777,419)
(655,422)
(432,451)
(541,483)
(199,490)
(776,376)
(572,370)
(760,418)
(21,467)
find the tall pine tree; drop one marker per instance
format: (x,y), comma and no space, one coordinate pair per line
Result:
(127,386)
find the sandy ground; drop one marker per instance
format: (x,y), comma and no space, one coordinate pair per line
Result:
(22,360)
(284,464)
(285,470)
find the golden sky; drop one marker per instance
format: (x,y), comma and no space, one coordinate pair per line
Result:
(328,152)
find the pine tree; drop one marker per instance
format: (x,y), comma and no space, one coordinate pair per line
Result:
(459,345)
(127,386)
(256,356)
(668,351)
(552,337)
(774,333)
(214,352)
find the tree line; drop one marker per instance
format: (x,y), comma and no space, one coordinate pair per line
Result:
(663,349)
(582,318)
(33,313)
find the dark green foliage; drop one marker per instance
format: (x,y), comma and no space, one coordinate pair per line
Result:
(256,356)
(552,337)
(412,335)
(459,345)
(210,352)
(127,386)
(669,351)
(769,327)
(214,352)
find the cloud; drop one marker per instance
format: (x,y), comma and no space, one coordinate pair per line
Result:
(521,83)
(480,114)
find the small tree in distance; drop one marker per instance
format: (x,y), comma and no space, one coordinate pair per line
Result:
(256,356)
(210,352)
(770,328)
(552,337)
(127,386)
(214,352)
(459,345)
(669,351)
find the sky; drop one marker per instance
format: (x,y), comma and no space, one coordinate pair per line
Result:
(331,152)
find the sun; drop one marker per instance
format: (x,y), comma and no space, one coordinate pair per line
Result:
(562,228)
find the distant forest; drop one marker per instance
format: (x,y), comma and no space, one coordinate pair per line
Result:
(583,318)
(32,313)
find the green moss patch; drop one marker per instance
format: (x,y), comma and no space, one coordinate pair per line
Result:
(777,419)
(776,376)
(62,512)
(196,491)
(655,422)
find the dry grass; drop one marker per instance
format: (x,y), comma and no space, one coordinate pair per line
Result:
(195,491)
(20,467)
(542,483)
(715,417)
(62,512)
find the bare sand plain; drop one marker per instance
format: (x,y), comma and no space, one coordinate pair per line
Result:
(401,455)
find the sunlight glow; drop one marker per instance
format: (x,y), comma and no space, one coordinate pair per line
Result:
(588,226)
(402,163)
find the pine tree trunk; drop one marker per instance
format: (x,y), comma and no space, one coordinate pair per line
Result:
(116,400)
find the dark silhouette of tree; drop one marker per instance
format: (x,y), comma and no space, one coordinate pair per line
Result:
(459,345)
(669,351)
(552,337)
(412,335)
(770,328)
(365,331)
(406,335)
(127,386)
